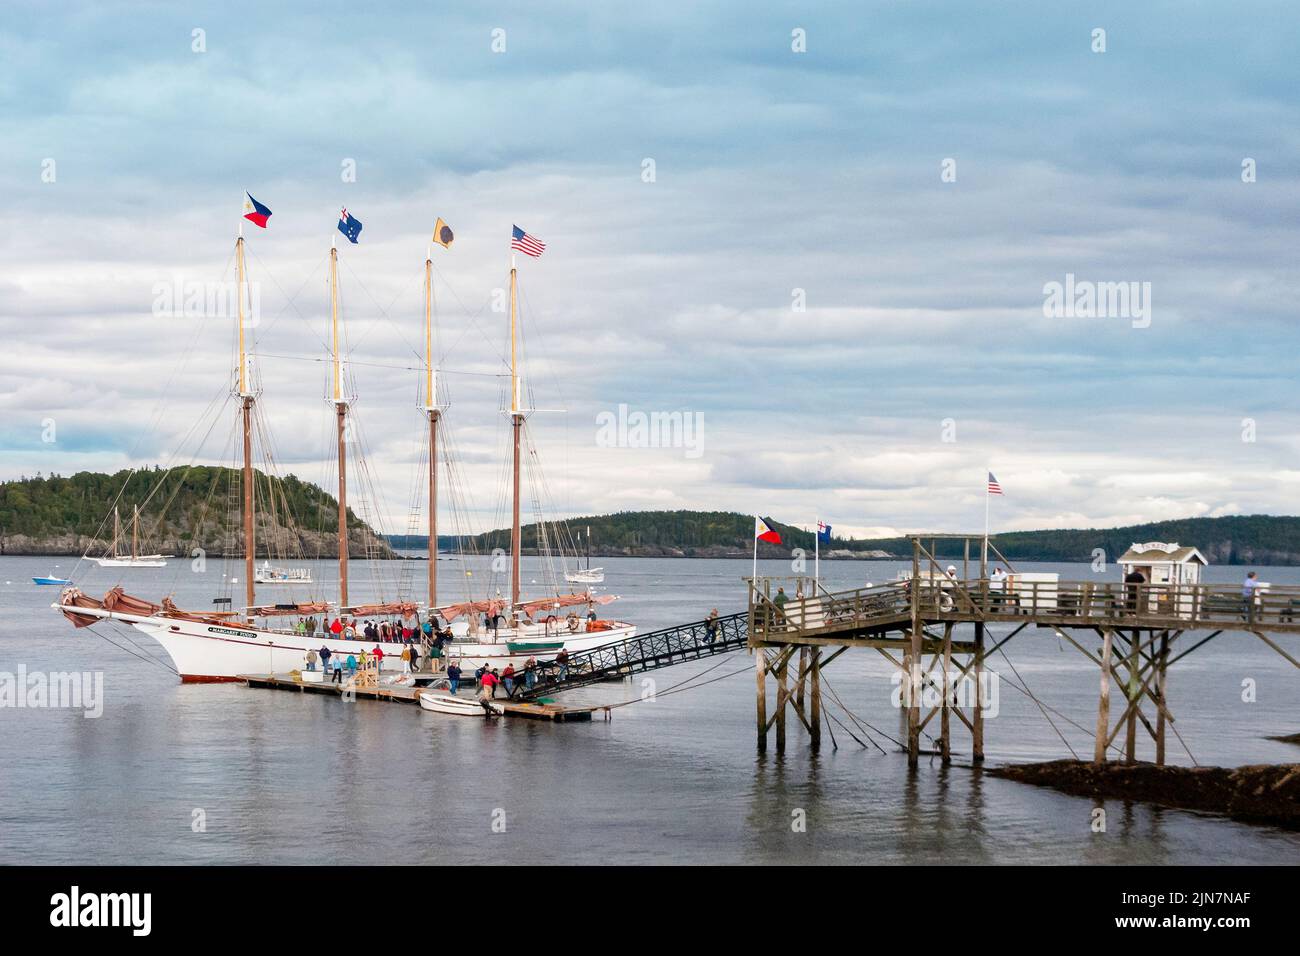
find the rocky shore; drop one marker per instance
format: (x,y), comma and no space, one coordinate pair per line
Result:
(1265,793)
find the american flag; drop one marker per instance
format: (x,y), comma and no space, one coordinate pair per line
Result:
(994,487)
(527,244)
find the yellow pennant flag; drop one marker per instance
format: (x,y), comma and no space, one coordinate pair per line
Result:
(442,234)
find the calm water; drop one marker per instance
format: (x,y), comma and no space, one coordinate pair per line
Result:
(295,778)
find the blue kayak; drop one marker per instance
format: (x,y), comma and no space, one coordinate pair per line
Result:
(51,580)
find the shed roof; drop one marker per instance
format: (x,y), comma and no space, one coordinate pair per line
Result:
(1157,552)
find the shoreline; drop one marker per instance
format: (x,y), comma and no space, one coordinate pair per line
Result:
(1258,793)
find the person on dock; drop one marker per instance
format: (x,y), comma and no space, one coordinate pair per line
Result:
(337,675)
(406,660)
(711,627)
(485,693)
(1249,590)
(562,661)
(311,660)
(325,655)
(453,677)
(508,680)
(491,681)
(352,664)
(377,653)
(530,673)
(1133,582)
(415,658)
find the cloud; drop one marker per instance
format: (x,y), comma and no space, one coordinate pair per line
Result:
(780,178)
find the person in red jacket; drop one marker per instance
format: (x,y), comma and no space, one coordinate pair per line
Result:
(379,657)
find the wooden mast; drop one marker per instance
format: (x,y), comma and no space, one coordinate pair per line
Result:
(246,403)
(117,532)
(341,407)
(135,530)
(516,423)
(431,409)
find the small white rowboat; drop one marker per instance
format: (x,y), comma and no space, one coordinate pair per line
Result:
(460,706)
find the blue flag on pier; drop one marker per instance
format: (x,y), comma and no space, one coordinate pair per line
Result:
(823,532)
(350,226)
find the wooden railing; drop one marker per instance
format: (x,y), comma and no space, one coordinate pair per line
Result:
(1112,603)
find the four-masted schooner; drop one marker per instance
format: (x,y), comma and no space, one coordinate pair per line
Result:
(212,646)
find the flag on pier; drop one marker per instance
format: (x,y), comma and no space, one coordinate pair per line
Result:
(442,234)
(255,212)
(763,531)
(528,244)
(350,226)
(994,487)
(823,532)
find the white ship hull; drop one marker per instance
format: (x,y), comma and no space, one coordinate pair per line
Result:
(151,561)
(211,652)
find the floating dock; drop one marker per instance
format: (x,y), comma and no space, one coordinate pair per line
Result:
(407,694)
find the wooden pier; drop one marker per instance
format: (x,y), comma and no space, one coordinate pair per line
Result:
(406,694)
(1144,629)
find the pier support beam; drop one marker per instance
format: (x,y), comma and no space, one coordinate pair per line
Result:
(760,679)
(815,690)
(782,697)
(1131,691)
(977,719)
(945,727)
(1103,704)
(1162,660)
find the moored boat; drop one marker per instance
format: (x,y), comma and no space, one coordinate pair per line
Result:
(445,703)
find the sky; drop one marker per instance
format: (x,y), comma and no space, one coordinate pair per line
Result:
(822,233)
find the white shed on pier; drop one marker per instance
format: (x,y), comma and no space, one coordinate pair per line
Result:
(1162,563)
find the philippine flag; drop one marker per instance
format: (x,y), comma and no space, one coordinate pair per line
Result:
(255,212)
(763,531)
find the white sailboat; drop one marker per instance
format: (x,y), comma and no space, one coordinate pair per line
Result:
(135,559)
(209,646)
(266,574)
(496,631)
(586,574)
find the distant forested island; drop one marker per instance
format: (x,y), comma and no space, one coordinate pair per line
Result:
(198,506)
(180,509)
(1239,539)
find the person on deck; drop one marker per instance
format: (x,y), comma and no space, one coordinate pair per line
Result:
(1249,589)
(453,677)
(486,691)
(336,627)
(1133,582)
